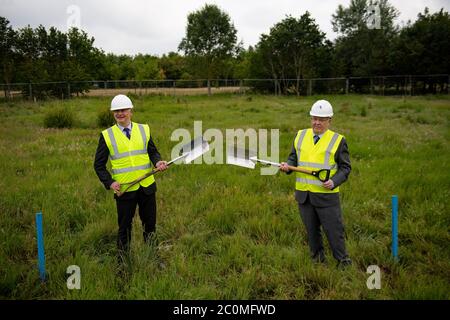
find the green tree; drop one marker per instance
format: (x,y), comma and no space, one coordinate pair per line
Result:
(294,49)
(112,67)
(30,66)
(145,67)
(363,50)
(118,67)
(7,54)
(210,40)
(423,47)
(243,62)
(173,65)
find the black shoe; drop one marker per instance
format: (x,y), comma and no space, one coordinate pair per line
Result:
(319,257)
(319,260)
(344,263)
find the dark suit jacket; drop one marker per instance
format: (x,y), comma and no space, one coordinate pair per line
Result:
(101,159)
(342,159)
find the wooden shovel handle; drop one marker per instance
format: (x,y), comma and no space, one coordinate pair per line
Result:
(132,183)
(316,174)
(298,169)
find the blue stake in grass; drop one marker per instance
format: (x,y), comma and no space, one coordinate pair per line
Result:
(395,227)
(40,245)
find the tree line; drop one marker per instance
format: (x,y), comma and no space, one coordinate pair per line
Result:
(368,44)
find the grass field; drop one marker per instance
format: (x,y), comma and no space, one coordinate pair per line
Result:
(226,232)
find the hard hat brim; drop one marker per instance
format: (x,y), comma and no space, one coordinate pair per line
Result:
(120,108)
(320,115)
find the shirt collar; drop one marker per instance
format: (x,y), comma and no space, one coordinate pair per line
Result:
(129,126)
(320,135)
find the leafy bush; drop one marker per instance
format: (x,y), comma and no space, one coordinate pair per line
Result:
(105,118)
(133,96)
(363,112)
(60,117)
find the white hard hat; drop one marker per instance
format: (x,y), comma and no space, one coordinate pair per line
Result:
(321,108)
(121,101)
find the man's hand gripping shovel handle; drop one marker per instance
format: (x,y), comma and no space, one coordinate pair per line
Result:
(132,183)
(297,169)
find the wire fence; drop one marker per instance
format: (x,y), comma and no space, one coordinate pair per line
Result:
(380,85)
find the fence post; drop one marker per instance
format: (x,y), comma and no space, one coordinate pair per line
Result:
(40,246)
(395,227)
(405,86)
(30,87)
(410,85)
(68,90)
(347,80)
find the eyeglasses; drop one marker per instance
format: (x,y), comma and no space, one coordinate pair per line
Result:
(320,119)
(121,110)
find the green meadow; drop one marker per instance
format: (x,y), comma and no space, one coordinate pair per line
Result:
(226,232)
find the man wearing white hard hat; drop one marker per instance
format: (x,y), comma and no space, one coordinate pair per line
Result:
(314,149)
(130,148)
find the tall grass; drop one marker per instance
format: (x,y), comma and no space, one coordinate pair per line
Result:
(226,232)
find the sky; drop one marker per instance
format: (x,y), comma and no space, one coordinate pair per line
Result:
(157,27)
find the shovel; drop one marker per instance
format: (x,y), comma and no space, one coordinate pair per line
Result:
(189,152)
(248,159)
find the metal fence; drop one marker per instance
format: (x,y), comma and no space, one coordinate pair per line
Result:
(381,85)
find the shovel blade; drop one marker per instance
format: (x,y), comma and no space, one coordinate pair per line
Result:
(196,148)
(241,157)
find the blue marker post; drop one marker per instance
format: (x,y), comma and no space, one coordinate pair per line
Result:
(40,245)
(395,227)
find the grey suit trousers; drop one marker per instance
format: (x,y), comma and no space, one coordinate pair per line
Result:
(324,210)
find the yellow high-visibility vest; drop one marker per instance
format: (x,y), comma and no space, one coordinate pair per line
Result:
(129,157)
(315,157)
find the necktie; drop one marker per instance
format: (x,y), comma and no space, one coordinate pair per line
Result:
(316,138)
(127,132)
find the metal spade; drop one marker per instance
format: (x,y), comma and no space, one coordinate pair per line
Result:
(188,153)
(247,159)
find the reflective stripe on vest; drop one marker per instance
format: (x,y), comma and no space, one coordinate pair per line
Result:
(315,157)
(131,169)
(309,181)
(129,157)
(118,155)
